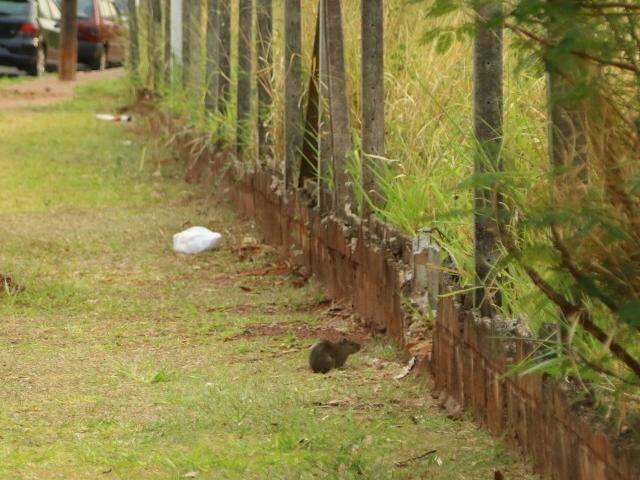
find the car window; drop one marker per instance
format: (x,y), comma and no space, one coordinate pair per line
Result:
(14,8)
(85,9)
(44,8)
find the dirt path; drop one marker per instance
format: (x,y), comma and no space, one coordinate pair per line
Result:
(48,89)
(120,359)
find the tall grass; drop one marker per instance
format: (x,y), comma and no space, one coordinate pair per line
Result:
(428,123)
(429,140)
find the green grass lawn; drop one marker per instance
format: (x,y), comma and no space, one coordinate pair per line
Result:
(120,359)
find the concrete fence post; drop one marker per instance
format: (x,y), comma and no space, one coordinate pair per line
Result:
(325,142)
(293,87)
(309,165)
(338,106)
(372,98)
(134,47)
(245,35)
(166,36)
(264,76)
(213,56)
(488,99)
(187,26)
(155,34)
(224,61)
(566,128)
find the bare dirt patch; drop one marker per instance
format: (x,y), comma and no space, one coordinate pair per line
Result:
(301,331)
(338,323)
(49,90)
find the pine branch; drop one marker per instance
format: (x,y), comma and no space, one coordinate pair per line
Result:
(567,308)
(578,53)
(607,5)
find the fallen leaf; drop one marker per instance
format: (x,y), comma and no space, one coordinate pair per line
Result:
(406,370)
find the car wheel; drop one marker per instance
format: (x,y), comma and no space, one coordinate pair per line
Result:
(39,63)
(100,62)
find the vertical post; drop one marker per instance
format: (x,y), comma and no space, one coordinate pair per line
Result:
(69,40)
(325,144)
(144,48)
(309,166)
(197,45)
(372,98)
(134,47)
(566,132)
(224,82)
(176,33)
(187,25)
(565,75)
(166,36)
(211,97)
(245,31)
(155,32)
(265,72)
(292,86)
(338,106)
(487,97)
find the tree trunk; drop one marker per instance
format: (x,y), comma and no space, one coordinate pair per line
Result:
(69,40)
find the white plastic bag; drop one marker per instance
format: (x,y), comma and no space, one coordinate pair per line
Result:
(107,117)
(195,240)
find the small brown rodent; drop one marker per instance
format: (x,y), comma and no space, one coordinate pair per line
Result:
(326,355)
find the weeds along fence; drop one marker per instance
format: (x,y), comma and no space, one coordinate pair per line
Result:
(515,165)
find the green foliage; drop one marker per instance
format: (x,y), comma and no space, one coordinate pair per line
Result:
(578,243)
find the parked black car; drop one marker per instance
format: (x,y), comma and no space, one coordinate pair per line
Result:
(29,34)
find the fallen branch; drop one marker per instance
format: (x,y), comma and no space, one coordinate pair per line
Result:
(405,463)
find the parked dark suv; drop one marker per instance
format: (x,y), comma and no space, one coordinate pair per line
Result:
(100,33)
(29,34)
